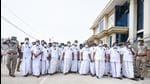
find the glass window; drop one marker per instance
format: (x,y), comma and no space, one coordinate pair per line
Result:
(121,14)
(101,25)
(121,37)
(140,34)
(140,14)
(110,41)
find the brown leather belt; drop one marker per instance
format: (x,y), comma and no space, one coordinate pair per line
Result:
(141,55)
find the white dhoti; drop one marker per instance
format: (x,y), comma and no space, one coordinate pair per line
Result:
(61,65)
(116,69)
(107,68)
(36,66)
(74,66)
(92,68)
(99,68)
(79,65)
(128,69)
(85,67)
(67,65)
(26,66)
(45,66)
(53,65)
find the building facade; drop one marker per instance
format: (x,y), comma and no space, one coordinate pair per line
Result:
(122,20)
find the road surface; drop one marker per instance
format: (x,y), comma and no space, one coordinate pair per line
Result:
(63,79)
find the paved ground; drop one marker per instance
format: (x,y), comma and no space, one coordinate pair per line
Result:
(62,79)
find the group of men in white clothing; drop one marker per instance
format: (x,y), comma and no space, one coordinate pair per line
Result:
(98,60)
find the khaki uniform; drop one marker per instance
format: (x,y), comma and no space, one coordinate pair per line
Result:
(141,60)
(12,56)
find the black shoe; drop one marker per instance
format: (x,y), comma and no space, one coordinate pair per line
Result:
(111,76)
(65,73)
(18,70)
(124,76)
(97,77)
(119,78)
(105,75)
(142,78)
(135,79)
(25,75)
(12,75)
(37,76)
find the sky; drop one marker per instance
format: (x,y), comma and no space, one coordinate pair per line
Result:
(60,20)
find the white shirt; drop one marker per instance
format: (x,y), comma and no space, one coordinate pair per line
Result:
(99,53)
(68,52)
(54,52)
(115,54)
(75,51)
(36,50)
(127,54)
(45,53)
(26,48)
(86,52)
(92,49)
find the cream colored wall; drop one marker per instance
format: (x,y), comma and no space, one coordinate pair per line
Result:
(132,20)
(111,19)
(147,22)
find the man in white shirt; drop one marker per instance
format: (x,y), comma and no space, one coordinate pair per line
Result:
(115,61)
(54,55)
(128,57)
(85,60)
(26,59)
(36,56)
(74,67)
(45,60)
(99,57)
(68,56)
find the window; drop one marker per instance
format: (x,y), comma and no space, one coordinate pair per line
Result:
(140,34)
(110,41)
(121,14)
(140,14)
(101,25)
(121,37)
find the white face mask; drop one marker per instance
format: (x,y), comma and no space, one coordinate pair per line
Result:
(54,45)
(129,46)
(100,45)
(76,44)
(86,46)
(37,43)
(69,45)
(45,45)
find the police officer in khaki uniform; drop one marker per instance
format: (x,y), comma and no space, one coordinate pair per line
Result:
(141,58)
(12,55)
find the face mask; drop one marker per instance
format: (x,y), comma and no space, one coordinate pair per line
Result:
(37,43)
(45,45)
(75,44)
(54,45)
(69,45)
(100,45)
(86,46)
(26,41)
(42,43)
(129,46)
